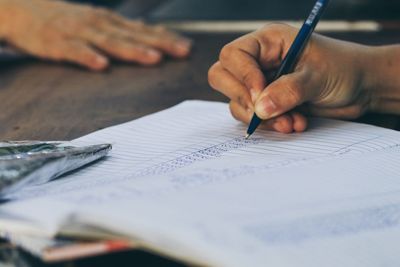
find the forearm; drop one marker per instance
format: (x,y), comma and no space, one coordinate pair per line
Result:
(382,78)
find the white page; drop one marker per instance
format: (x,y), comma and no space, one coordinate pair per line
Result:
(187,184)
(195,131)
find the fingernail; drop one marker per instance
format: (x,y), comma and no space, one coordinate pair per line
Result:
(101,61)
(183,46)
(153,53)
(253,95)
(265,108)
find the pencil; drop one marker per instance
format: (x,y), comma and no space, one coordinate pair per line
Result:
(295,51)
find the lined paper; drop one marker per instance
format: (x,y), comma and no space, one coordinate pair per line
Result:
(183,135)
(184,182)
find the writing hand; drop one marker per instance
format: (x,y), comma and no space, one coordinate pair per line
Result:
(327,80)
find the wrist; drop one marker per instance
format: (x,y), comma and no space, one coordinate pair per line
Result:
(381,78)
(370,69)
(15,15)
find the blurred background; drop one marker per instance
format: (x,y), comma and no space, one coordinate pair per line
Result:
(274,9)
(255,9)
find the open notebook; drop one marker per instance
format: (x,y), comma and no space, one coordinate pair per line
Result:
(185,183)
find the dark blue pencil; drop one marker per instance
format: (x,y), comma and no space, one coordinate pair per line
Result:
(295,51)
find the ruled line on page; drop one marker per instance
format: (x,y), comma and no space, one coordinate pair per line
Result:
(199,131)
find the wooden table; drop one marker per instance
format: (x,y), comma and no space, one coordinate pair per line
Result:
(49,101)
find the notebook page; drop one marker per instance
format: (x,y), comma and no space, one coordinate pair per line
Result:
(184,182)
(199,131)
(342,212)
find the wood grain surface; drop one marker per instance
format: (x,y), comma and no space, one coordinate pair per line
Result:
(50,101)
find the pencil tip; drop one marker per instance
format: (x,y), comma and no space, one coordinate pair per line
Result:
(247,136)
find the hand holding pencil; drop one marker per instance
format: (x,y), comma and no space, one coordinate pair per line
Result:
(330,78)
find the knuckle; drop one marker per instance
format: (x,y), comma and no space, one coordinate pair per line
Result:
(275,32)
(275,27)
(226,53)
(248,78)
(241,99)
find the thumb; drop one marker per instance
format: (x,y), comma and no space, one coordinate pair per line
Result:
(284,94)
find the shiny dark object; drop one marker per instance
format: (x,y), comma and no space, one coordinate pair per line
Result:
(27,163)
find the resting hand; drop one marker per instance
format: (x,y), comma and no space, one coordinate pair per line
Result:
(61,31)
(327,80)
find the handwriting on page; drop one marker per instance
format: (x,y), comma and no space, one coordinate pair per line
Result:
(182,176)
(180,143)
(323,226)
(203,154)
(306,145)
